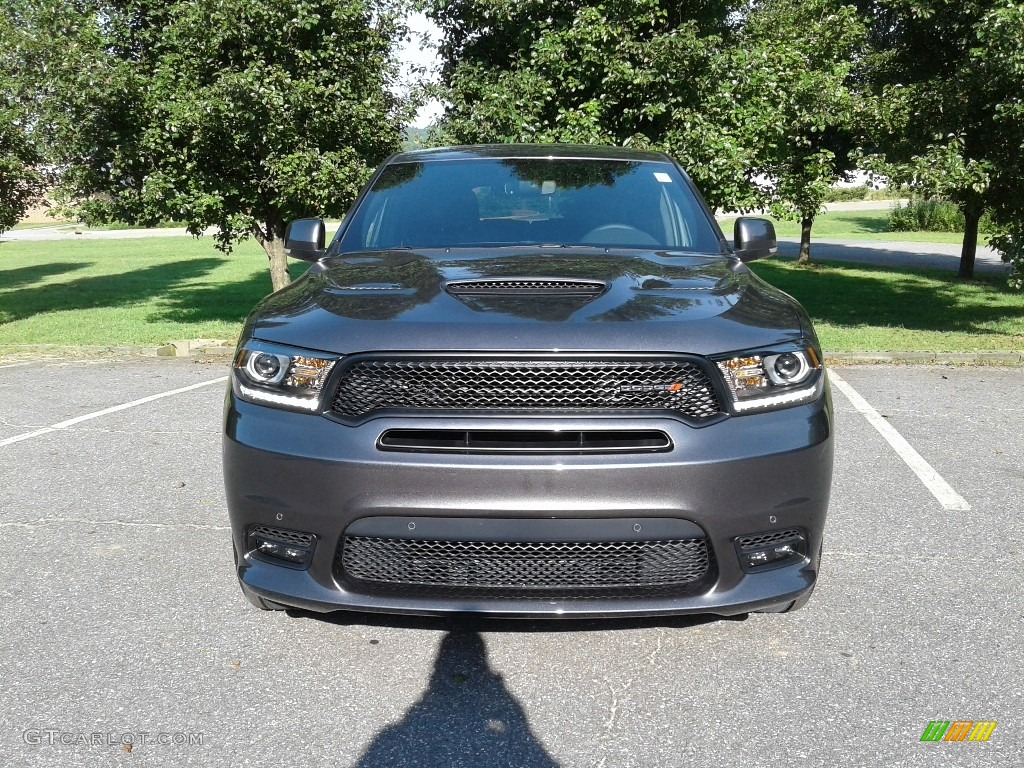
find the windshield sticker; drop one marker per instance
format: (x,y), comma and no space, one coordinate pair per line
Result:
(664,178)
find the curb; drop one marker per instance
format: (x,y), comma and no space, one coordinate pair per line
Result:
(192,348)
(916,357)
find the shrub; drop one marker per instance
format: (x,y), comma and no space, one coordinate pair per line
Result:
(935,216)
(926,216)
(844,194)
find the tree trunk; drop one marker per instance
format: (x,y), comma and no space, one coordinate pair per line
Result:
(972,215)
(272,240)
(805,240)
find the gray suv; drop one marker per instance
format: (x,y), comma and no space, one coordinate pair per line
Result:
(528,380)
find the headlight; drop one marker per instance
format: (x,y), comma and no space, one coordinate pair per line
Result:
(274,375)
(773,378)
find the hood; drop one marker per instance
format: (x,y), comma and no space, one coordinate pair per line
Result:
(527,300)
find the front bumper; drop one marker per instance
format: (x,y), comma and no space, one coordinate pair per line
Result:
(743,475)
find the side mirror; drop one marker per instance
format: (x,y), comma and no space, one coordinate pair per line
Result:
(304,239)
(754,238)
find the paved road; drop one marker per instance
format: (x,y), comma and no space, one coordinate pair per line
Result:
(121,614)
(895,253)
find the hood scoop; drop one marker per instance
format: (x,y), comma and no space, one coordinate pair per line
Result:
(526,286)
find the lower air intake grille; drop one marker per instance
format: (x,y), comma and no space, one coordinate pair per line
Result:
(525,569)
(678,386)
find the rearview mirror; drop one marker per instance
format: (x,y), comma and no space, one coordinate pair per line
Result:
(754,238)
(304,239)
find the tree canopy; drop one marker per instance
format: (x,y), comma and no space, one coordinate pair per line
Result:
(947,79)
(630,72)
(736,93)
(22,182)
(796,61)
(234,114)
(22,174)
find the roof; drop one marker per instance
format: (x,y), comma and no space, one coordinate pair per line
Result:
(518,151)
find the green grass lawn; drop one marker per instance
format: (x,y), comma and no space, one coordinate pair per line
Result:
(865,308)
(855,225)
(155,290)
(127,292)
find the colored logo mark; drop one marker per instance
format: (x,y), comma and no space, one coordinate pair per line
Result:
(958,730)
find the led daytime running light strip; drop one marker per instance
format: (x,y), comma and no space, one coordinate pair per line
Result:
(795,396)
(271,397)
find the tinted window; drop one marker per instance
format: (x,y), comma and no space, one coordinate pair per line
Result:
(481,202)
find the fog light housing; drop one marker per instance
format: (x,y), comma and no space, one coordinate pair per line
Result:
(768,550)
(280,546)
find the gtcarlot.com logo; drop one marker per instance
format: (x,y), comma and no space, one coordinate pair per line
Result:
(958,730)
(53,736)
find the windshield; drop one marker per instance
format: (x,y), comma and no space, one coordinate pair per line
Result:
(542,201)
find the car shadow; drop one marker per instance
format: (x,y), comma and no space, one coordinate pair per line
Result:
(466,717)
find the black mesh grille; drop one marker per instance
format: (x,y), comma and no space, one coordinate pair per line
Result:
(526,385)
(281,534)
(770,537)
(525,287)
(525,569)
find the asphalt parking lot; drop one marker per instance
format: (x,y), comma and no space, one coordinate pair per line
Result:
(122,620)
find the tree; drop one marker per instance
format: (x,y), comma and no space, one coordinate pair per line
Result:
(234,114)
(798,67)
(645,73)
(736,92)
(22,177)
(22,183)
(947,79)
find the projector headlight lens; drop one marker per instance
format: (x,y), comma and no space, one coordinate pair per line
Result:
(266,368)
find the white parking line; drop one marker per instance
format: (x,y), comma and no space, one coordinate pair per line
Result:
(933,481)
(13,365)
(106,411)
